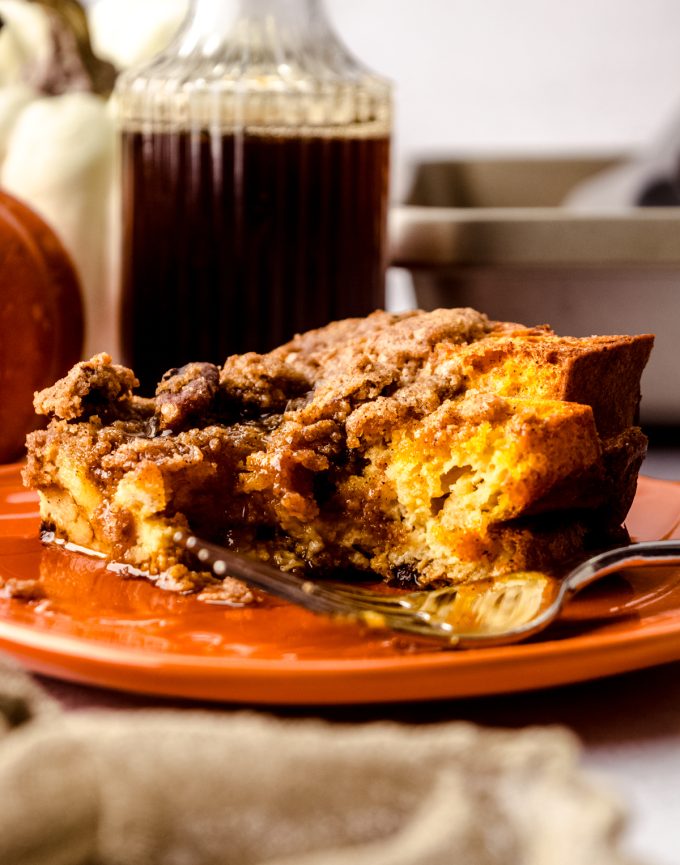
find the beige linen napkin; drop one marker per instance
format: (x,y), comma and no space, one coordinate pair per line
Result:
(195,788)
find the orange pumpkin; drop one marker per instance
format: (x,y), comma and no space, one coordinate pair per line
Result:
(41,318)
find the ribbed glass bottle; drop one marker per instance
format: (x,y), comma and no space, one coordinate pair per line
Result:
(255,159)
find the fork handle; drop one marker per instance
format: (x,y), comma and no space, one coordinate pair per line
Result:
(638,555)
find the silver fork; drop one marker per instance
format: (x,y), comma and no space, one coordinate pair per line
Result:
(486,612)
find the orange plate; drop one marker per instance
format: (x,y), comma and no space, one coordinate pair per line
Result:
(91,625)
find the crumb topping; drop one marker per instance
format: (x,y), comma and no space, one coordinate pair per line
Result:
(88,388)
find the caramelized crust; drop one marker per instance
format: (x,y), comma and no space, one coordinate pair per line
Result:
(422,447)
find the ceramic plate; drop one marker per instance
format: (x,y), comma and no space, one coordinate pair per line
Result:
(87,624)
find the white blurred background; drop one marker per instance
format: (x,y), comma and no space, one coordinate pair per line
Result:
(526,75)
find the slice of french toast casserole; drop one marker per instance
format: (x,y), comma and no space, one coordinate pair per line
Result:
(425,448)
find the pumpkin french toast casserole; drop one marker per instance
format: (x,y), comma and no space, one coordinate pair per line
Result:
(423,448)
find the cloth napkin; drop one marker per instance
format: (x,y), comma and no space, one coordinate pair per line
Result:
(178,787)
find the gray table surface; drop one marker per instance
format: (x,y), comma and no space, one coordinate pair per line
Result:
(629,725)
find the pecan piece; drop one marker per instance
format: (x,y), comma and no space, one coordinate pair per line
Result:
(185,393)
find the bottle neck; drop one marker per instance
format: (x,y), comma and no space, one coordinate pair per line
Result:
(211,21)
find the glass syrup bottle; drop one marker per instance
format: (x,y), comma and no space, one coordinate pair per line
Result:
(255,161)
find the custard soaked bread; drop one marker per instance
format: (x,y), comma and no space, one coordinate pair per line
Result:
(423,447)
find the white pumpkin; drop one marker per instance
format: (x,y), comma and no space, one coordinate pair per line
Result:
(57,154)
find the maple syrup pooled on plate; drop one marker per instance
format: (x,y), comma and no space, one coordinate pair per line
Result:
(235,242)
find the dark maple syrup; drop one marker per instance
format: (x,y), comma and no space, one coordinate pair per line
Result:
(234,243)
